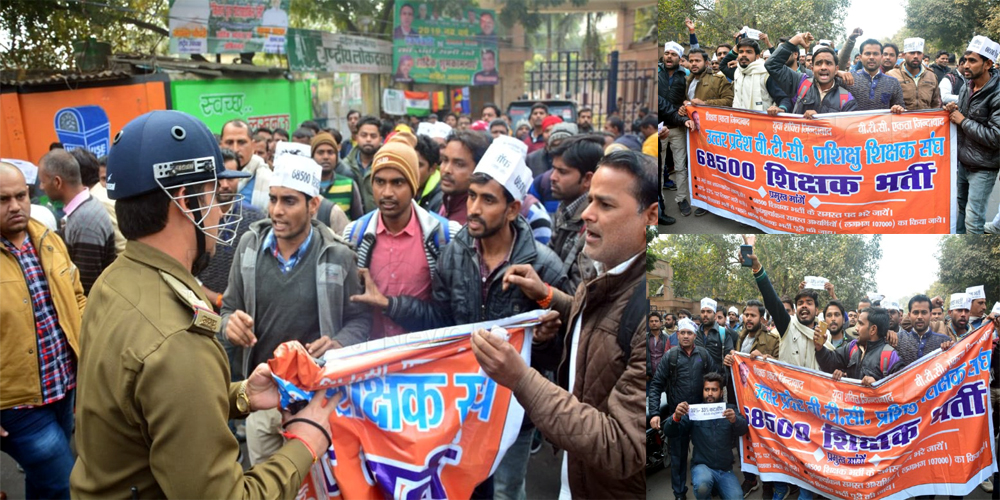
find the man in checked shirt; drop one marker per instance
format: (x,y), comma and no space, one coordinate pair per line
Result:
(43,303)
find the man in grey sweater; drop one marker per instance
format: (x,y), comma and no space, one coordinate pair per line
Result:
(292,279)
(87,227)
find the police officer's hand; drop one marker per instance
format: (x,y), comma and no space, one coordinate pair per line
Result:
(261,389)
(318,410)
(239,329)
(867,381)
(654,423)
(525,277)
(372,295)
(499,359)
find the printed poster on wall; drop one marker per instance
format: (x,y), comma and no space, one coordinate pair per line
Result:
(429,47)
(862,172)
(228,26)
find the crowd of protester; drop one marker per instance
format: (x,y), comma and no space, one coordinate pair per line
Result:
(330,239)
(805,77)
(689,358)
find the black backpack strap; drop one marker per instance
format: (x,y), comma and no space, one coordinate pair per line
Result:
(635,313)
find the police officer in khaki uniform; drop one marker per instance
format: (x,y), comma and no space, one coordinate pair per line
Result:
(154,394)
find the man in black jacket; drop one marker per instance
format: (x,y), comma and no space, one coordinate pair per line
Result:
(714,337)
(712,460)
(868,358)
(679,373)
(977,117)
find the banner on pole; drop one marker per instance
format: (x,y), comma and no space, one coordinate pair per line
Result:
(858,172)
(418,417)
(227,26)
(924,431)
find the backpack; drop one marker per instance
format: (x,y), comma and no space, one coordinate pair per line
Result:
(884,356)
(358,230)
(956,82)
(674,353)
(805,83)
(636,308)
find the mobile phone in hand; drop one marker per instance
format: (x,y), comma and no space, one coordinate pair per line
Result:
(745,251)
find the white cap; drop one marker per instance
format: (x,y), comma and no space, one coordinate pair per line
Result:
(441,130)
(891,304)
(674,46)
(913,45)
(976,292)
(873,296)
(828,43)
(733,309)
(687,324)
(985,47)
(960,301)
(802,52)
(293,148)
(709,303)
(297,172)
(504,162)
(817,47)
(426,128)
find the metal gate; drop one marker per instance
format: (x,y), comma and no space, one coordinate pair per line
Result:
(602,87)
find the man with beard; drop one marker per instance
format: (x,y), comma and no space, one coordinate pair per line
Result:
(336,185)
(979,101)
(469,286)
(920,340)
(712,461)
(657,343)
(574,163)
(869,358)
(705,87)
(870,85)
(398,243)
(670,327)
(278,291)
(713,334)
(678,374)
(672,92)
(459,158)
(751,86)
(733,318)
(833,315)
(360,160)
(236,137)
(958,310)
(895,314)
(798,331)
(852,319)
(977,308)
(920,86)
(585,120)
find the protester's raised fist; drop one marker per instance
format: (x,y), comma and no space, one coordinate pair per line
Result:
(690,25)
(807,39)
(856,33)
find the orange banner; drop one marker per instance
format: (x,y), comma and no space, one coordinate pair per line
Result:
(418,419)
(923,431)
(862,172)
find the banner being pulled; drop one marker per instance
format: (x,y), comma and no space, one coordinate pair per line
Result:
(924,431)
(418,418)
(858,172)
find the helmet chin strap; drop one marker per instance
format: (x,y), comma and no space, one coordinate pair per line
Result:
(202,259)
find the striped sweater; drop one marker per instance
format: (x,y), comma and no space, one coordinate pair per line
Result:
(90,239)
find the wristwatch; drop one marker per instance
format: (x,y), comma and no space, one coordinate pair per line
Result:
(242,401)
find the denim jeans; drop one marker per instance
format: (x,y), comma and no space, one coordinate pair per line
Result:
(781,488)
(678,463)
(705,480)
(974,190)
(508,480)
(38,439)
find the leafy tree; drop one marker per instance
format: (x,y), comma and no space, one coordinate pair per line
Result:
(718,20)
(969,260)
(708,265)
(950,24)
